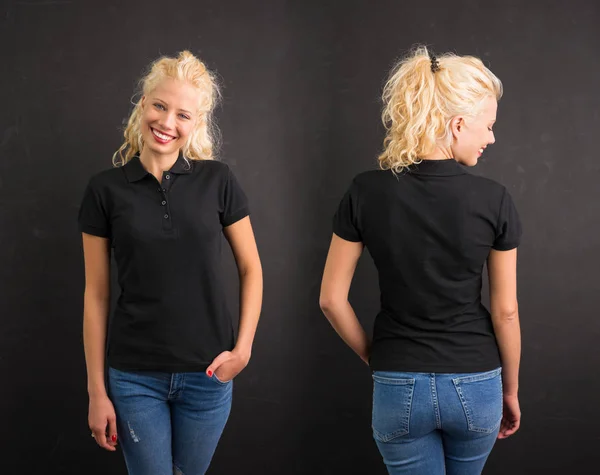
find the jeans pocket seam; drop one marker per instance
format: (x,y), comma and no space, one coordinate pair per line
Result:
(468,414)
(393,381)
(405,422)
(391,436)
(478,377)
(218,381)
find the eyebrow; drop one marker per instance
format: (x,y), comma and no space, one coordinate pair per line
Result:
(180,110)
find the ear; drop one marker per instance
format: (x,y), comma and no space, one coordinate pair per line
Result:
(456,125)
(142,102)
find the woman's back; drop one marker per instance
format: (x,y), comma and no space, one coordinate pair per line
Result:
(430,231)
(445,369)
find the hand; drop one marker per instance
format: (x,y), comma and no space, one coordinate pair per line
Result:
(103,422)
(511,416)
(228,365)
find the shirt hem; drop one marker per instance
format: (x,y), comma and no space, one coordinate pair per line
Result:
(166,368)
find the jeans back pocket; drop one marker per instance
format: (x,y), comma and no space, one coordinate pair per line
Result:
(392,402)
(481,397)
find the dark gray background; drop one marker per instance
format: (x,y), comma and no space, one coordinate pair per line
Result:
(300,117)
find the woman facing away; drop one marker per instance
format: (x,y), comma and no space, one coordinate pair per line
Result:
(162,210)
(445,369)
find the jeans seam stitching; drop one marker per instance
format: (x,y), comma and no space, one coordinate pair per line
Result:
(468,415)
(480,377)
(406,426)
(170,393)
(436,409)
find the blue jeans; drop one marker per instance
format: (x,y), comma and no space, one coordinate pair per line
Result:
(169,423)
(436,423)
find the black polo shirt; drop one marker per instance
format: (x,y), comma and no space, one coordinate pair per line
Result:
(429,231)
(166,238)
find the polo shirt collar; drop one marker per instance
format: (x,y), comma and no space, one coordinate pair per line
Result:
(448,167)
(135,171)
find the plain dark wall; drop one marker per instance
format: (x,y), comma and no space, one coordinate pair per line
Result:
(300,117)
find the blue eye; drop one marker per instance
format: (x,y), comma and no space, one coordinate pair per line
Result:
(159,106)
(183,116)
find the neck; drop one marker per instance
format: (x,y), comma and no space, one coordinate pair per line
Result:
(157,163)
(440,153)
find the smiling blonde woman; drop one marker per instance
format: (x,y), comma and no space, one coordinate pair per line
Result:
(162,211)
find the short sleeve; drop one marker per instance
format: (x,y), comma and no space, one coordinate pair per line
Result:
(93,214)
(235,202)
(508,229)
(345,220)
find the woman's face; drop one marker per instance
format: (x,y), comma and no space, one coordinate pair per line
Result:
(471,135)
(169,114)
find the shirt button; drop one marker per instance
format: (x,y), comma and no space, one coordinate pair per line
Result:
(164,191)
(164,203)
(167,176)
(166,216)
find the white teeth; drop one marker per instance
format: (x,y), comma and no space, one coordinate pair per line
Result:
(161,136)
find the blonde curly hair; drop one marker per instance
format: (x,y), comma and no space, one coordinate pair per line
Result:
(420,102)
(203,140)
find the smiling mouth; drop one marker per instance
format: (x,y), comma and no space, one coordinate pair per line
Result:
(163,138)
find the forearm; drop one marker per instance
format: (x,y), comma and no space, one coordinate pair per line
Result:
(95,315)
(251,289)
(508,336)
(342,318)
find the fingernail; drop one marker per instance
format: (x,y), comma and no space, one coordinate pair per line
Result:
(114,437)
(209,373)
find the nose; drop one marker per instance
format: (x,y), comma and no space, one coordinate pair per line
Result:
(167,121)
(492,139)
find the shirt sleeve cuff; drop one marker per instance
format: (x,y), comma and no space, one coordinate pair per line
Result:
(235,217)
(506,246)
(346,235)
(93,230)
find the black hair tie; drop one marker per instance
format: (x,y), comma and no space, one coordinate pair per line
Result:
(435,64)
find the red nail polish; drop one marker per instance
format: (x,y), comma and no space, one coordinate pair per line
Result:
(114,437)
(209,373)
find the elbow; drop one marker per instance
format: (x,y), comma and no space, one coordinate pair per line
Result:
(507,314)
(96,296)
(250,269)
(327,303)
(324,303)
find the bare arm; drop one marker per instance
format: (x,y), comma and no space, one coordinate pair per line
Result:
(95,315)
(502,270)
(95,310)
(339,270)
(243,245)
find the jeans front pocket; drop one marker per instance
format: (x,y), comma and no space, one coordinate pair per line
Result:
(481,398)
(216,379)
(392,402)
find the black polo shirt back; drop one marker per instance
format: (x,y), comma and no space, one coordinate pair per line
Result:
(166,238)
(430,230)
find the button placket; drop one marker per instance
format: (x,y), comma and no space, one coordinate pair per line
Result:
(164,204)
(165,190)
